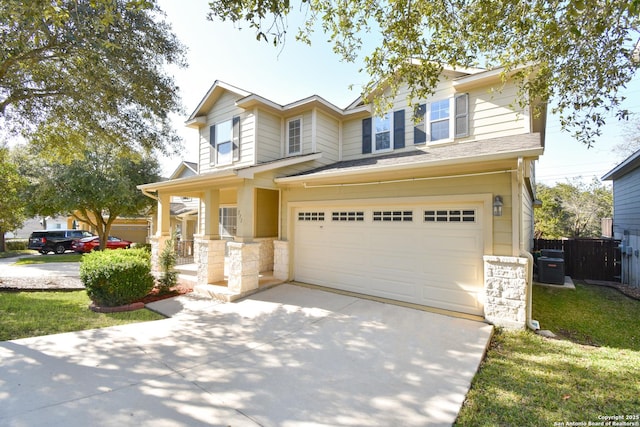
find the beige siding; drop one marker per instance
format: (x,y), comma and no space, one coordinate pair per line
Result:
(268,136)
(527,219)
(225,109)
(491,115)
(327,139)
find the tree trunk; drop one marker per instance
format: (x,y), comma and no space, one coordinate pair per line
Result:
(3,247)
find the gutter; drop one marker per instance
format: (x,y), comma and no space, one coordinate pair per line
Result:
(148,194)
(393,181)
(404,166)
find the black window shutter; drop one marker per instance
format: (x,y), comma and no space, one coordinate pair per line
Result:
(419,133)
(212,142)
(398,129)
(236,138)
(366,136)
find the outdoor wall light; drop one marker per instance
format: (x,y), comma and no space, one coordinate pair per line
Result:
(497,206)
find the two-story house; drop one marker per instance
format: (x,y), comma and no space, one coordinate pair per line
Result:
(432,208)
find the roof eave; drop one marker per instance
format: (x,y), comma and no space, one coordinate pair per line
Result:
(300,179)
(630,163)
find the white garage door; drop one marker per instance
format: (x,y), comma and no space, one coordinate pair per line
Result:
(425,254)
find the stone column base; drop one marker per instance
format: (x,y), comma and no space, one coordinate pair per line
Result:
(244,265)
(281,259)
(157,245)
(505,286)
(209,257)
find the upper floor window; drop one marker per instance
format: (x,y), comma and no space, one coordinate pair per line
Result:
(383,133)
(224,135)
(224,138)
(442,120)
(294,136)
(439,120)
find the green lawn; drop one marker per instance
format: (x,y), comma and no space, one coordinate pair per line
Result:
(29,314)
(591,372)
(48,259)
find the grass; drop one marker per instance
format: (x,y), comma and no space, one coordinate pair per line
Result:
(526,379)
(29,314)
(15,253)
(48,259)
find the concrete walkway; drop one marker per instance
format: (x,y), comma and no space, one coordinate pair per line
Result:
(59,269)
(289,356)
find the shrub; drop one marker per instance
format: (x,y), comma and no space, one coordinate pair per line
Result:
(17,245)
(167,261)
(115,278)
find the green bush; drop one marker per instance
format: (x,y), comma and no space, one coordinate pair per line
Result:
(115,278)
(17,244)
(167,262)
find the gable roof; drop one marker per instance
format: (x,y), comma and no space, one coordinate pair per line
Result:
(526,145)
(183,167)
(628,165)
(249,100)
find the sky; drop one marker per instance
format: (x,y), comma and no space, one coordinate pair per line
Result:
(219,51)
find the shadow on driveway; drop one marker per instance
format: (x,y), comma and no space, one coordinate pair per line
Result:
(288,356)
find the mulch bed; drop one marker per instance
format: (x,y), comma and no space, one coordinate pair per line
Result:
(156,295)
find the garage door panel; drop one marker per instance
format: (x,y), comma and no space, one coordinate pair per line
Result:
(399,256)
(451,300)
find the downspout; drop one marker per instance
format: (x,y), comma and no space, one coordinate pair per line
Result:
(531,324)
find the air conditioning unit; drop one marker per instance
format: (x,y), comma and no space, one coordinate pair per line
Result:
(551,270)
(552,253)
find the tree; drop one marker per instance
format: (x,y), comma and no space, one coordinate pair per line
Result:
(574,51)
(96,189)
(572,209)
(631,139)
(12,205)
(78,70)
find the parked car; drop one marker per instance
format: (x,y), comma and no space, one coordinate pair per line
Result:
(89,244)
(58,241)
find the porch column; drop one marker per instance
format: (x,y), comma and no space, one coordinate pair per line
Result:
(505,286)
(208,247)
(244,262)
(281,259)
(163,232)
(246,213)
(164,215)
(211,201)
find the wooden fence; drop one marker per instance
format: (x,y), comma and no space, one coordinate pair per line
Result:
(595,259)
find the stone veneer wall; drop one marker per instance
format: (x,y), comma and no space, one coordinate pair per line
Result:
(505,284)
(281,259)
(243,267)
(209,257)
(266,253)
(157,244)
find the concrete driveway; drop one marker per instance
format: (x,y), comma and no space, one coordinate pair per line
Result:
(289,356)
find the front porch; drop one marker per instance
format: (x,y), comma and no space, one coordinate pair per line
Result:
(229,270)
(188,275)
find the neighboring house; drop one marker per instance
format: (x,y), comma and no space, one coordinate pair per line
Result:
(391,206)
(626,215)
(39,223)
(183,209)
(133,229)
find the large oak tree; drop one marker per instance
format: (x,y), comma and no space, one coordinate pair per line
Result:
(97,188)
(79,70)
(577,53)
(12,204)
